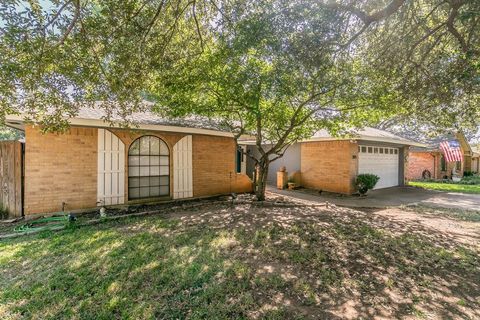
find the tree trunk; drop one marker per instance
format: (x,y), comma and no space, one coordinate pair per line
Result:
(261,182)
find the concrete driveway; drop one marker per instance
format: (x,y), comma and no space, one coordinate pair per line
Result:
(391,197)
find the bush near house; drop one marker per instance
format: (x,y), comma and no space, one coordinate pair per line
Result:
(365,182)
(470,180)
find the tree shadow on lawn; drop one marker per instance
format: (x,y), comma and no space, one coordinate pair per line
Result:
(242,261)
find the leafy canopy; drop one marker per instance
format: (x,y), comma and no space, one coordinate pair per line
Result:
(412,58)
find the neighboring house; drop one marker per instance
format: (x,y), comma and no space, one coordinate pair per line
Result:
(476,160)
(332,164)
(430,161)
(94,164)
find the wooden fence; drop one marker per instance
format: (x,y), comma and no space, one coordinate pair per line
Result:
(11,159)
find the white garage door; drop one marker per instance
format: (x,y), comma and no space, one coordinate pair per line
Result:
(382,161)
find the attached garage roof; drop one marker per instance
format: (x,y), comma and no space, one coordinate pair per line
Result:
(366,134)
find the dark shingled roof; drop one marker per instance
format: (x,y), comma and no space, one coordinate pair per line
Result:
(150,118)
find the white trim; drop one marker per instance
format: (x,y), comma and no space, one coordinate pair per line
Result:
(369,138)
(98,123)
(354,139)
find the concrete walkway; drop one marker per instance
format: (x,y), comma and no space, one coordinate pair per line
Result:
(390,197)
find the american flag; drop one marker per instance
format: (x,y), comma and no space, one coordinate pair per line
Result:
(451,150)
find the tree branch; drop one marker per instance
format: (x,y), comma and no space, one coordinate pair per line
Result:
(72,23)
(451,27)
(197,24)
(57,14)
(155,17)
(368,19)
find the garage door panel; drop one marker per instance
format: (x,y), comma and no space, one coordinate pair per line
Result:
(382,161)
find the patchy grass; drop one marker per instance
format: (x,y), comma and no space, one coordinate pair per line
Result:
(237,263)
(449,187)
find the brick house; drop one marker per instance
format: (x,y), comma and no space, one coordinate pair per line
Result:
(94,164)
(331,164)
(429,161)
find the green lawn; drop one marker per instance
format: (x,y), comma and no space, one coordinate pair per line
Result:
(450,187)
(239,263)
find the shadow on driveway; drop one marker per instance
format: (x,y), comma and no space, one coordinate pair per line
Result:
(390,197)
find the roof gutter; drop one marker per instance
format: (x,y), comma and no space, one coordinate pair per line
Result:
(370,138)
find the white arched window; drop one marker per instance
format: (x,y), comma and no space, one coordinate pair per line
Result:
(148,168)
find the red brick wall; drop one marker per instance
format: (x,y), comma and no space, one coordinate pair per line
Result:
(419,162)
(329,165)
(63,167)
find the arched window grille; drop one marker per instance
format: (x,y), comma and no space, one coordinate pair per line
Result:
(148,168)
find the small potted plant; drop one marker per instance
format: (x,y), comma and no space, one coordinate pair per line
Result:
(365,182)
(291,184)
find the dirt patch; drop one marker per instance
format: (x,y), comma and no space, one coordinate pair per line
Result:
(428,221)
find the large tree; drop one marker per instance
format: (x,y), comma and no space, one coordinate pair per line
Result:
(263,74)
(277,69)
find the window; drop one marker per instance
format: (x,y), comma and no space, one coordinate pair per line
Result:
(148,168)
(364,149)
(375,150)
(396,151)
(381,150)
(239,160)
(443,163)
(370,149)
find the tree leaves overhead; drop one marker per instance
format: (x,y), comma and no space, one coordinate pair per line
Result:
(414,57)
(426,55)
(58,53)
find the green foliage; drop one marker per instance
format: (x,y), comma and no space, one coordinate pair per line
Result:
(56,54)
(468,173)
(10,134)
(257,75)
(470,180)
(366,181)
(372,60)
(424,60)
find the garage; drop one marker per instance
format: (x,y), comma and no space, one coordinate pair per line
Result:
(382,161)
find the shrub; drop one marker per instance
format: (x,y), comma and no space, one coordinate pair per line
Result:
(365,182)
(468,173)
(471,180)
